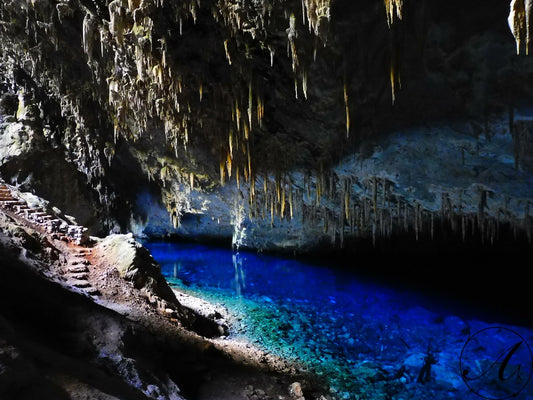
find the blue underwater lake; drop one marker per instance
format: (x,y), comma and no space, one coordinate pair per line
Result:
(369,339)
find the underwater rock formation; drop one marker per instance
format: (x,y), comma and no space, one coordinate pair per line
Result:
(269,123)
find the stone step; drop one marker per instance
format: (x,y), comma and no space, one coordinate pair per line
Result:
(80,284)
(80,260)
(37,212)
(12,203)
(77,269)
(92,291)
(81,276)
(81,255)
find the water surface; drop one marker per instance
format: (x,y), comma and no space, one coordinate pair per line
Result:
(368,339)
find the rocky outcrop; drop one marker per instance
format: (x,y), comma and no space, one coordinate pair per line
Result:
(135,264)
(226,119)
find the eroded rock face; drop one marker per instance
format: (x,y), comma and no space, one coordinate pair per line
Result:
(238,119)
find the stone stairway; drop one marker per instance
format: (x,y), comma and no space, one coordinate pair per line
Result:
(76,272)
(38,215)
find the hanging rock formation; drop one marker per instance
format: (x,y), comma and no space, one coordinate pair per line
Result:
(270,123)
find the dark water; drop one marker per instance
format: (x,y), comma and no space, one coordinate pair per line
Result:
(368,339)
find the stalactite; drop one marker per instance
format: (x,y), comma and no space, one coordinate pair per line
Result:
(249,159)
(282,210)
(222,172)
(260,112)
(292,35)
(318,191)
(230,142)
(291,210)
(226,50)
(519,23)
(394,10)
(250,104)
(272,211)
(375,194)
(347,192)
(229,164)
(116,20)
(395,72)
(347,111)
(304,83)
(317,12)
(88,30)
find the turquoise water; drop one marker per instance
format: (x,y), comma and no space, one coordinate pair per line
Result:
(368,339)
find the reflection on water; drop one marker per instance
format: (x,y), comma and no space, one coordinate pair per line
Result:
(240,279)
(368,340)
(176,270)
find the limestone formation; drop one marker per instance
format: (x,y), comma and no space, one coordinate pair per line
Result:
(254,105)
(519,22)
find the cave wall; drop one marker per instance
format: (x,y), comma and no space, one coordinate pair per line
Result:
(246,118)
